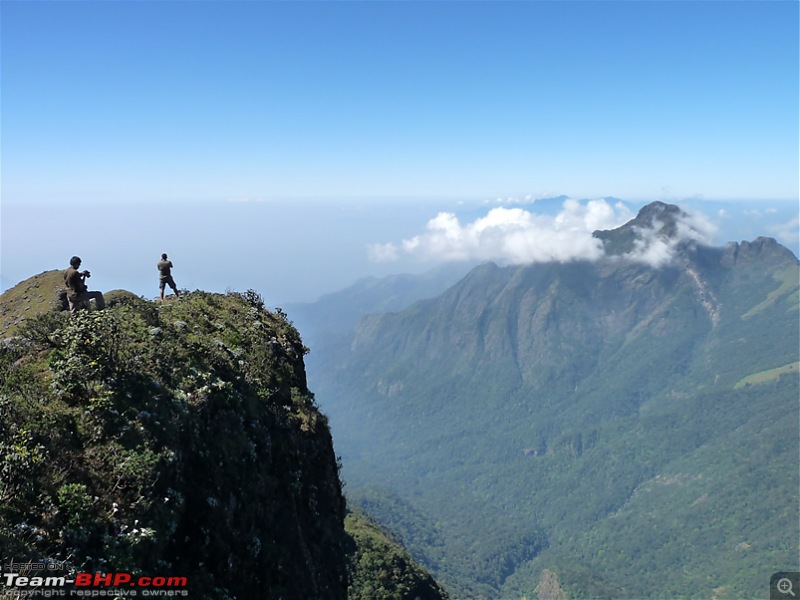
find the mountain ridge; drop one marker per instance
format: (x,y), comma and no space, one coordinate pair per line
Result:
(581,382)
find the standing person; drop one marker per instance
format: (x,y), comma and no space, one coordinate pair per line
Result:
(77,293)
(165,275)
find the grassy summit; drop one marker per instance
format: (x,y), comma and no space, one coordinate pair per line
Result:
(173,439)
(36,295)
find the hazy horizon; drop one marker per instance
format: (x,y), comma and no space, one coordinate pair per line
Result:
(295,252)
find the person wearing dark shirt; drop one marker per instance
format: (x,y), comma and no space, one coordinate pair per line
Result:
(165,276)
(77,293)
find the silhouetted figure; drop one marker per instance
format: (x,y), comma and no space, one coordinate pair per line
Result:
(78,295)
(165,276)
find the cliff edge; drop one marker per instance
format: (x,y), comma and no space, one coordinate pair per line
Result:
(176,440)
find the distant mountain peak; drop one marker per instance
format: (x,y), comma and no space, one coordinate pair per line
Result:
(657,211)
(762,249)
(655,219)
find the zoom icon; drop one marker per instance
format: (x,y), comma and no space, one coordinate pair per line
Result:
(784,585)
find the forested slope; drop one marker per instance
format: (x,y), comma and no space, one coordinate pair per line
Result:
(585,422)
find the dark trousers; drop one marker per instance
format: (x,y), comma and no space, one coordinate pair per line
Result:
(82,300)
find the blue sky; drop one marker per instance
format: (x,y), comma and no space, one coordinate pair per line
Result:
(142,107)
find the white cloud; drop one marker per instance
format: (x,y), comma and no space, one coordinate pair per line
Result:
(787,233)
(513,235)
(697,227)
(657,250)
(652,250)
(383,252)
(521,236)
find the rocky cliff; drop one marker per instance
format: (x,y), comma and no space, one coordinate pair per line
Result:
(174,440)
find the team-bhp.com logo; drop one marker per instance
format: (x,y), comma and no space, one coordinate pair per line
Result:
(47,579)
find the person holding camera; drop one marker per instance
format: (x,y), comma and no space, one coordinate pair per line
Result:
(77,293)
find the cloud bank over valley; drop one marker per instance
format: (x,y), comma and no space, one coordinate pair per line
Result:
(523,236)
